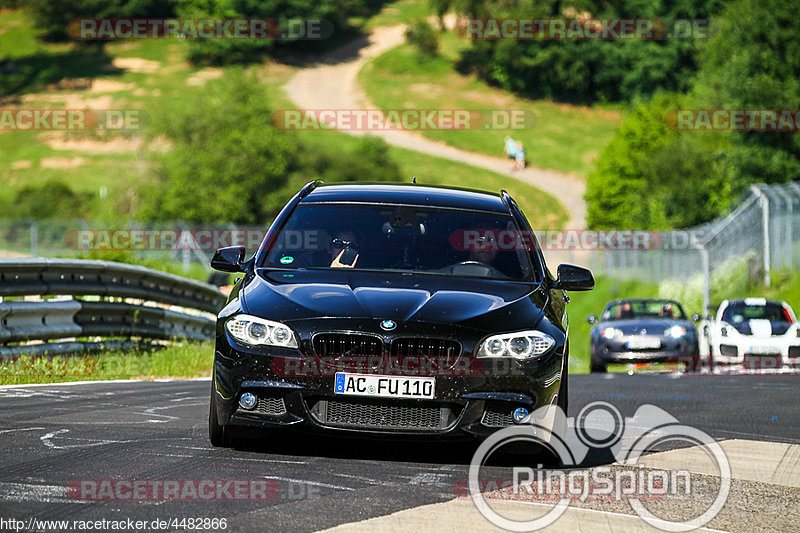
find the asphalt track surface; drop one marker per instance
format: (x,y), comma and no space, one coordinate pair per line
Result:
(55,435)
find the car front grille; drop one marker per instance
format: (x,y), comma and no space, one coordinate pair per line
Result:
(355,344)
(794,351)
(426,347)
(380,414)
(346,344)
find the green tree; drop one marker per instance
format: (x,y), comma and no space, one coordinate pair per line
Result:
(752,61)
(226,156)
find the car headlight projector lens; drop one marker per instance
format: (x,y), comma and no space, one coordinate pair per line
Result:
(257,331)
(519,345)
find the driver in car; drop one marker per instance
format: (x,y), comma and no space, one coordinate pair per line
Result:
(343,249)
(485,251)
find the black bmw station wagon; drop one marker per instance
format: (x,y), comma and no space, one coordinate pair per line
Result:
(391,309)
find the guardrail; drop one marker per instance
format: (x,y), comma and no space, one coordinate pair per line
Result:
(101,299)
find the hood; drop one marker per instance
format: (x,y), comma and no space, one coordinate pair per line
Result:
(288,295)
(652,326)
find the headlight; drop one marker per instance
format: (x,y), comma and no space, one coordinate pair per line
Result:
(519,345)
(611,333)
(260,332)
(676,332)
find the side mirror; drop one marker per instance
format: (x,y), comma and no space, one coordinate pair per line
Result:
(229,259)
(574,278)
(591,319)
(696,317)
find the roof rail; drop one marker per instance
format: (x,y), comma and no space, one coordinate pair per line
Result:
(308,187)
(506,198)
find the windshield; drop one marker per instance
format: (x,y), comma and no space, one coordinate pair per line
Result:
(741,312)
(402,238)
(625,310)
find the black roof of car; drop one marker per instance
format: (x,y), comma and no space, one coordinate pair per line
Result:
(412,194)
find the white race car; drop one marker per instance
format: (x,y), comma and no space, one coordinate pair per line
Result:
(754,331)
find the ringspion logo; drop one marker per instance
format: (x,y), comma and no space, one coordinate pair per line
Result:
(598,426)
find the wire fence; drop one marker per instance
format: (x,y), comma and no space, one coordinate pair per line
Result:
(763,231)
(176,242)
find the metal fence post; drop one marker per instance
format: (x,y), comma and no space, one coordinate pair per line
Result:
(788,226)
(763,202)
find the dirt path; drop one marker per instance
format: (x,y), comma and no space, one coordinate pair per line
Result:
(332,84)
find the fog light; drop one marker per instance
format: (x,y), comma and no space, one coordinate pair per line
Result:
(519,415)
(247,400)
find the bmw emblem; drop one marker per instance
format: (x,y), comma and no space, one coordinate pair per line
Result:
(388,325)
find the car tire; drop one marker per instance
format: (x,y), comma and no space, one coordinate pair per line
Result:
(217,433)
(692,364)
(597,366)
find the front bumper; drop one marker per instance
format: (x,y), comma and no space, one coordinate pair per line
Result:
(781,352)
(669,350)
(463,407)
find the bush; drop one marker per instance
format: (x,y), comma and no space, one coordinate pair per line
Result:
(226,156)
(334,13)
(586,71)
(52,199)
(424,37)
(229,164)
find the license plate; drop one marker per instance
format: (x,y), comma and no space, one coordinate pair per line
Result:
(764,350)
(383,386)
(644,343)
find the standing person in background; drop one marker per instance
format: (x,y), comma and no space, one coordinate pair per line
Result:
(519,157)
(510,150)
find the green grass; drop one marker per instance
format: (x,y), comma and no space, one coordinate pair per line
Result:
(541,209)
(557,136)
(180,360)
(401,12)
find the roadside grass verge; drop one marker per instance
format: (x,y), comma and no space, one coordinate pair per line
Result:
(178,360)
(561,137)
(400,12)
